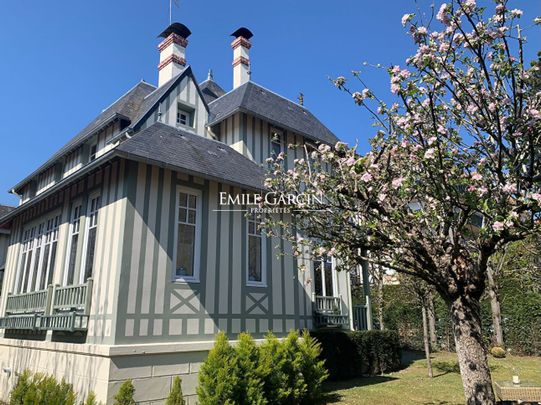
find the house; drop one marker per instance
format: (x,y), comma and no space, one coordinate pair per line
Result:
(4,239)
(123,259)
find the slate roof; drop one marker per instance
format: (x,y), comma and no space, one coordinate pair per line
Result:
(211,90)
(4,209)
(128,107)
(254,99)
(164,145)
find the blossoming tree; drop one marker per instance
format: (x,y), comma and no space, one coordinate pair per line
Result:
(453,174)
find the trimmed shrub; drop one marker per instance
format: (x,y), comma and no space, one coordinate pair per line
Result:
(91,399)
(351,354)
(339,353)
(125,393)
(218,374)
(250,380)
(312,368)
(276,372)
(175,396)
(498,352)
(41,389)
(379,350)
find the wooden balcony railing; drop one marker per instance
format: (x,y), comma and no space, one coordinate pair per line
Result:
(328,311)
(56,308)
(27,302)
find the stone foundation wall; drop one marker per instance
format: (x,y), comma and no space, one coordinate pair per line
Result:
(101,369)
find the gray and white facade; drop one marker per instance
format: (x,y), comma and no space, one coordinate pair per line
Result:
(123,263)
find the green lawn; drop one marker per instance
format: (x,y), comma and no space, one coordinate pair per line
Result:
(412,386)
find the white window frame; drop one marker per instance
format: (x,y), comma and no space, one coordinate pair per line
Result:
(281,134)
(190,115)
(77,204)
(93,156)
(82,267)
(48,238)
(263,240)
(334,278)
(197,248)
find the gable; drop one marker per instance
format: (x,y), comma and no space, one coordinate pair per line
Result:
(180,93)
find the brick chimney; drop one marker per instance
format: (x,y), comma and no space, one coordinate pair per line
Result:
(172,52)
(241,56)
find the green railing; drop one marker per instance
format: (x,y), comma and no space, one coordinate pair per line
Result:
(26,302)
(328,311)
(56,308)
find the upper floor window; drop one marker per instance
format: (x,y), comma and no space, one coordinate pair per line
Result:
(276,142)
(184,115)
(256,276)
(188,234)
(93,152)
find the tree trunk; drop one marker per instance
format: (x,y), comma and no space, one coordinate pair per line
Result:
(426,341)
(432,321)
(380,300)
(495,307)
(471,351)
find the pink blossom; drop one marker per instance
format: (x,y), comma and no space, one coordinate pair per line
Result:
(442,14)
(536,197)
(397,183)
(366,177)
(476,176)
(509,188)
(350,161)
(516,12)
(429,154)
(431,140)
(498,226)
(406,18)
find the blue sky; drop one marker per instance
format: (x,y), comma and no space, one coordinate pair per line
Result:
(62,62)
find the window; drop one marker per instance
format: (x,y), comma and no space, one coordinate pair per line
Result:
(71,259)
(90,242)
(276,142)
(184,116)
(47,260)
(27,254)
(38,255)
(93,152)
(188,234)
(324,277)
(255,276)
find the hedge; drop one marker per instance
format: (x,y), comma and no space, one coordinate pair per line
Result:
(353,354)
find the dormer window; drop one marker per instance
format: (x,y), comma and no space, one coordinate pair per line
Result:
(93,152)
(276,142)
(184,115)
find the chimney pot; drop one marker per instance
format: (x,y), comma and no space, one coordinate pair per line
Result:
(172,52)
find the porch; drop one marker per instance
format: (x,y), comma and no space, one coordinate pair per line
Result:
(57,308)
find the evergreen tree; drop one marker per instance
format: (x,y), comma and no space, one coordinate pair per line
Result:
(250,387)
(218,375)
(175,396)
(312,368)
(125,394)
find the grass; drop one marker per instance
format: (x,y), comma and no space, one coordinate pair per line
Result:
(412,386)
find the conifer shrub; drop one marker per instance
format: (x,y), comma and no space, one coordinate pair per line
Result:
(275,372)
(41,389)
(91,399)
(125,394)
(218,375)
(175,396)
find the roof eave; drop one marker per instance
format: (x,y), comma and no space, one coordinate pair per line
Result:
(142,159)
(51,161)
(271,121)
